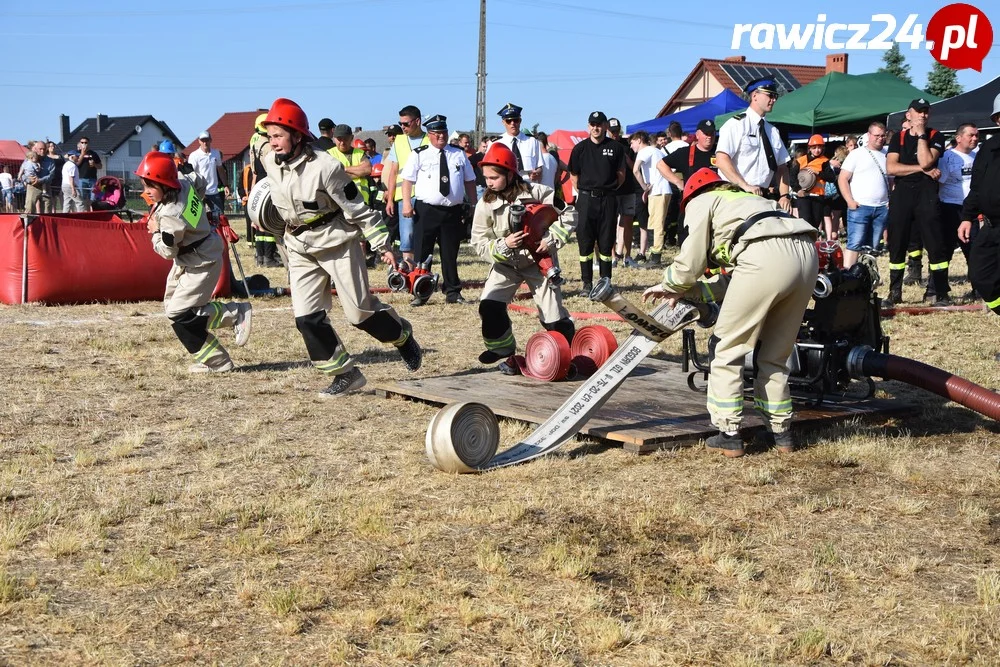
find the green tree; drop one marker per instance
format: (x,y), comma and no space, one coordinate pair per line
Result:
(943,81)
(895,64)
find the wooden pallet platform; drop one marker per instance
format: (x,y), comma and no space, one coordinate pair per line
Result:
(654,408)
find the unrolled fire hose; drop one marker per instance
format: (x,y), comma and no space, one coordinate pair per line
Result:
(464,437)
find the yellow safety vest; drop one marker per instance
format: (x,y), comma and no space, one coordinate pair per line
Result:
(403,150)
(357,155)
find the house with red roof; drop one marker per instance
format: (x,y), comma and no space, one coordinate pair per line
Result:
(231,137)
(710,77)
(11,154)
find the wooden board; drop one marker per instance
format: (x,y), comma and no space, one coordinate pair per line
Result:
(653,408)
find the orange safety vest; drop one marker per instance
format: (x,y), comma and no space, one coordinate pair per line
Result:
(403,150)
(817,166)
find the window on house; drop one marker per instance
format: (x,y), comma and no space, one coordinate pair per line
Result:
(134,148)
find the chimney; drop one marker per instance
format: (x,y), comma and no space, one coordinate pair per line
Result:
(836,62)
(735,59)
(63,128)
(102,123)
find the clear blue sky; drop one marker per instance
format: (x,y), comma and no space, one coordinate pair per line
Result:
(359,61)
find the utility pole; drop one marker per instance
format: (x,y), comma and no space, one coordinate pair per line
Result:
(480,131)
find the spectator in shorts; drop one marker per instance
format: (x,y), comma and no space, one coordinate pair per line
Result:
(7,187)
(864,184)
(71,193)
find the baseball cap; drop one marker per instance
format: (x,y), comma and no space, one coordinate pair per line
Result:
(707,126)
(614,124)
(325,124)
(205,135)
(920,104)
(394,129)
(342,130)
(597,118)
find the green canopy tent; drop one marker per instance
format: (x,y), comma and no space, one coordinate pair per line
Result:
(842,102)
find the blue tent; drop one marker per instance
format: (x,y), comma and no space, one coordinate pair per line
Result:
(722,103)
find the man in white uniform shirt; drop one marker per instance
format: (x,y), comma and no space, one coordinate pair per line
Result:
(956,176)
(655,191)
(527,151)
(441,178)
(750,152)
(864,184)
(207,163)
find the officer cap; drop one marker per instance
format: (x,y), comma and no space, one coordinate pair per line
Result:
(597,118)
(342,131)
(707,127)
(436,123)
(510,110)
(325,124)
(920,104)
(766,84)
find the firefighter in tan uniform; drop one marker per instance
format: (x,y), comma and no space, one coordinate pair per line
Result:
(512,263)
(326,219)
(772,266)
(181,232)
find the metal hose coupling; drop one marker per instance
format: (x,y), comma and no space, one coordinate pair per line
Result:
(856,362)
(675,319)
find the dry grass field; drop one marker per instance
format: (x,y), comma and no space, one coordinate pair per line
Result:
(148,516)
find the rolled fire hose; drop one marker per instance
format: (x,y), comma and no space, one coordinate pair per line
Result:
(863,362)
(462,437)
(262,211)
(592,346)
(546,357)
(449,444)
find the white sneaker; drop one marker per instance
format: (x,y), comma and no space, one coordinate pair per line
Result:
(244,319)
(204,368)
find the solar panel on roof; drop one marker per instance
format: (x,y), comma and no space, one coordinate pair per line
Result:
(744,74)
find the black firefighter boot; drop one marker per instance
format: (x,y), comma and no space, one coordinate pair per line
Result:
(937,282)
(895,289)
(914,270)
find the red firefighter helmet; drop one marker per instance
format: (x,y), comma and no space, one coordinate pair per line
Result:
(498,155)
(288,114)
(377,170)
(159,168)
(697,182)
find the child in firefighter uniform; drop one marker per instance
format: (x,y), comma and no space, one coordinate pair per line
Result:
(512,263)
(325,216)
(181,232)
(771,265)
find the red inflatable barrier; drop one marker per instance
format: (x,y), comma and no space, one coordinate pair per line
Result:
(81,258)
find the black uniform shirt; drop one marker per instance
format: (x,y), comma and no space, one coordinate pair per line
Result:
(596,166)
(905,146)
(984,189)
(681,161)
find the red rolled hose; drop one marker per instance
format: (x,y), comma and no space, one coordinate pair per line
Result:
(591,347)
(546,357)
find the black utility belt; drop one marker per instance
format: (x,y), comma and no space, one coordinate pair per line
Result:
(318,222)
(441,207)
(185,249)
(598,193)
